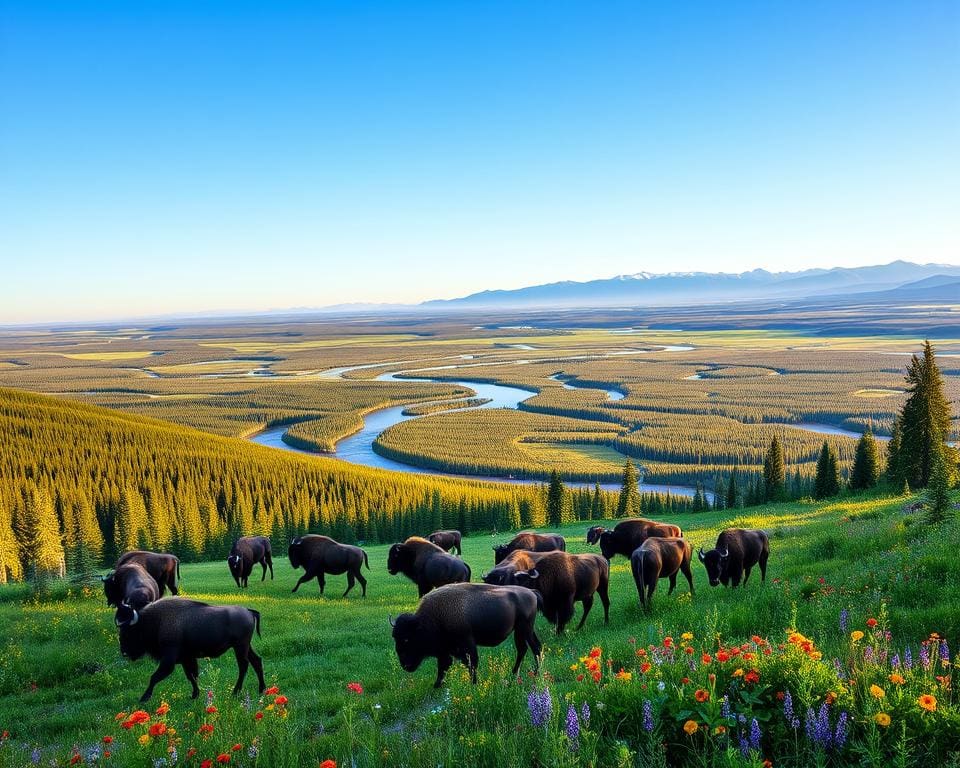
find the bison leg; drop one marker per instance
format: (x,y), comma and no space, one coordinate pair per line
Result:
(763,565)
(350,582)
(263,564)
(650,590)
(605,601)
(257,664)
(172,580)
(521,641)
(673,583)
(735,578)
(685,568)
(535,646)
(322,582)
(192,671)
(363,582)
(587,605)
(270,563)
(303,580)
(241,652)
(166,666)
(443,664)
(746,574)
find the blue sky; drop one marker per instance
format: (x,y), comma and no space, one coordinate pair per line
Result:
(184,156)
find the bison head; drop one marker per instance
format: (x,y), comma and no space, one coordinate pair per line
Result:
(131,644)
(409,641)
(293,552)
(715,562)
(607,545)
(594,533)
(528,579)
(499,552)
(498,577)
(236,567)
(111,589)
(398,559)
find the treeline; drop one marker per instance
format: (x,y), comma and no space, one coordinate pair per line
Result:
(80,484)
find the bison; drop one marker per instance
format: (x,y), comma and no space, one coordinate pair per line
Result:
(131,584)
(563,579)
(446,540)
(320,555)
(426,565)
(164,568)
(532,542)
(452,621)
(736,552)
(518,560)
(659,558)
(626,536)
(180,631)
(247,552)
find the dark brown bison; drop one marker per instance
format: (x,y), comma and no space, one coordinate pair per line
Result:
(319,555)
(130,585)
(737,551)
(628,535)
(659,558)
(446,540)
(532,542)
(164,568)
(452,621)
(564,579)
(426,565)
(246,553)
(179,631)
(518,560)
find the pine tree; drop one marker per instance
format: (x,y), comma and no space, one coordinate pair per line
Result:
(555,500)
(866,463)
(628,503)
(774,474)
(827,482)
(130,527)
(42,543)
(514,520)
(596,506)
(733,493)
(894,475)
(719,494)
(925,420)
(699,501)
(11,569)
(939,507)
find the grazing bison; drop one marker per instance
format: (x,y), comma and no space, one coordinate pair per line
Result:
(659,558)
(630,534)
(180,631)
(532,542)
(737,551)
(246,553)
(426,564)
(164,568)
(452,621)
(130,584)
(320,555)
(446,540)
(563,579)
(518,560)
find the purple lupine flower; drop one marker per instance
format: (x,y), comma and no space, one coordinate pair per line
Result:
(925,657)
(585,714)
(840,737)
(895,661)
(173,755)
(744,745)
(540,706)
(741,718)
(818,727)
(838,668)
(868,654)
(844,619)
(944,651)
(35,756)
(787,706)
(755,734)
(647,716)
(908,659)
(725,707)
(573,727)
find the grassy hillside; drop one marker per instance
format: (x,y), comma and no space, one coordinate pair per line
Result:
(62,679)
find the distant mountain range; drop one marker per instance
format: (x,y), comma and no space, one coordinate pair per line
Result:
(899,280)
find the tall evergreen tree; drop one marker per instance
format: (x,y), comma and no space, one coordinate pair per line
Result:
(733,492)
(939,506)
(893,473)
(774,472)
(597,506)
(827,482)
(924,420)
(866,463)
(42,544)
(555,500)
(719,494)
(628,503)
(11,568)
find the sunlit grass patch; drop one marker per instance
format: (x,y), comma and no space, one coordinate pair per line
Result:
(109,356)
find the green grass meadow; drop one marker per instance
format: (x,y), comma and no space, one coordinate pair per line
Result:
(62,678)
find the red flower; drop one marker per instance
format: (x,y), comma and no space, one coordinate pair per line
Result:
(752,676)
(77,758)
(781,696)
(595,653)
(158,729)
(280,700)
(211,710)
(645,667)
(668,642)
(871,622)
(723,656)
(684,680)
(108,739)
(191,752)
(580,678)
(205,730)
(106,753)
(355,687)
(328,764)
(207,764)
(706,658)
(272,690)
(258,717)
(701,695)
(688,650)
(223,757)
(237,747)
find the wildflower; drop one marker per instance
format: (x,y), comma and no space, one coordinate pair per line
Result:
(723,656)
(877,692)
(573,727)
(205,730)
(924,657)
(907,660)
(944,652)
(623,675)
(720,730)
(144,739)
(595,653)
(120,716)
(690,727)
(706,658)
(686,637)
(928,702)
(701,695)
(725,707)
(355,687)
(856,635)
(258,717)
(163,709)
(688,650)
(752,677)
(540,705)
(236,747)
(744,745)
(738,672)
(661,686)
(844,618)
(755,734)
(684,680)
(36,756)
(871,622)
(585,714)
(157,729)
(896,679)
(882,719)
(272,691)
(223,757)
(207,764)
(766,764)
(645,667)
(280,700)
(648,716)
(77,758)
(108,739)
(328,764)
(668,642)
(840,737)
(191,752)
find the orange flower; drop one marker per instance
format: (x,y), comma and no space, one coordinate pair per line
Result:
(688,650)
(871,622)
(690,727)
(897,679)
(645,667)
(877,692)
(856,635)
(271,691)
(766,764)
(738,672)
(719,730)
(882,719)
(595,653)
(723,656)
(623,675)
(706,658)
(928,702)
(223,757)
(157,729)
(328,764)
(163,709)
(831,697)
(752,677)
(701,695)
(120,716)
(280,700)
(757,640)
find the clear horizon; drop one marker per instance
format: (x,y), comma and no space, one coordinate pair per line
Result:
(174,159)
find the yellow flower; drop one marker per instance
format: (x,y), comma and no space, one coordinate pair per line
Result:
(882,719)
(856,635)
(690,727)
(897,679)
(928,702)
(624,675)
(816,655)
(574,667)
(144,740)
(719,730)
(738,673)
(877,692)
(687,636)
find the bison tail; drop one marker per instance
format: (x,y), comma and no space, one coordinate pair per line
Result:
(366,562)
(178,570)
(256,618)
(469,571)
(539,597)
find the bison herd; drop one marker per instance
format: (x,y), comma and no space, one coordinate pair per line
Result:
(532,573)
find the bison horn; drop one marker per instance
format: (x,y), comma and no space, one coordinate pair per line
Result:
(392,622)
(135,619)
(725,553)
(700,554)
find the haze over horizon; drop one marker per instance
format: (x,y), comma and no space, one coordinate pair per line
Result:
(176,159)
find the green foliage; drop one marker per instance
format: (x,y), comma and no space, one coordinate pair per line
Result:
(866,463)
(774,473)
(827,482)
(628,502)
(938,503)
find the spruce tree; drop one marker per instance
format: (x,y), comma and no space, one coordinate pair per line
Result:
(866,463)
(827,482)
(555,500)
(719,494)
(925,420)
(628,503)
(42,545)
(893,472)
(597,507)
(11,569)
(774,473)
(733,492)
(939,506)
